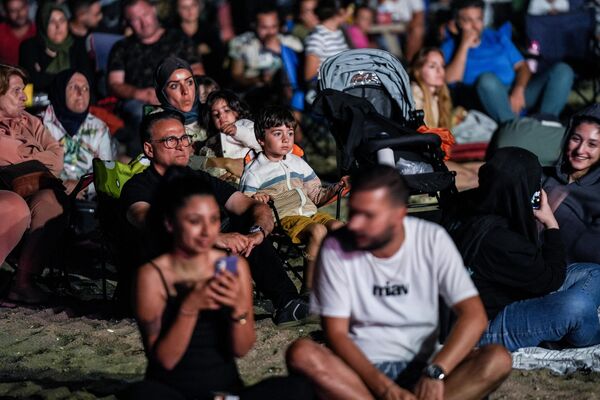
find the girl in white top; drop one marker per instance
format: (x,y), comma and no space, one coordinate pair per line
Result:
(231,134)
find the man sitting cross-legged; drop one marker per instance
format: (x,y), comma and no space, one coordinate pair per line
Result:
(376,288)
(165,144)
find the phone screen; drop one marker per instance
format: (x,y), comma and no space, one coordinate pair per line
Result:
(228,263)
(535,200)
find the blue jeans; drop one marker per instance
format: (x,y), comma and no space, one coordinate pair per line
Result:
(569,314)
(549,88)
(405,374)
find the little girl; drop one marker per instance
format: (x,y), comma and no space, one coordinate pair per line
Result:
(231,135)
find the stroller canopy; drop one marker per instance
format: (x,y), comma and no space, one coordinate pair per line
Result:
(366,69)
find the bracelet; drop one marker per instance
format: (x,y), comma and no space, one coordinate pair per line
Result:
(187,313)
(241,319)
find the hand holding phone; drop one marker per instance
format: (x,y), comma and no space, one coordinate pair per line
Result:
(228,263)
(226,283)
(536,200)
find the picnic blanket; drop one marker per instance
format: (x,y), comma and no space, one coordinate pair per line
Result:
(560,361)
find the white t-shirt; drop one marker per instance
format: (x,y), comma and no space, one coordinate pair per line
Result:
(401,10)
(392,303)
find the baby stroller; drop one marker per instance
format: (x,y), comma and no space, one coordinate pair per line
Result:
(365,96)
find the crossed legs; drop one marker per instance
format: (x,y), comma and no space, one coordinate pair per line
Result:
(478,375)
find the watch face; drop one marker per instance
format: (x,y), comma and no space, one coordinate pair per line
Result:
(435,372)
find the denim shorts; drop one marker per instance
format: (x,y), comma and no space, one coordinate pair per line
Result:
(405,374)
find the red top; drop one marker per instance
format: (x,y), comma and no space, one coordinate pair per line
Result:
(9,43)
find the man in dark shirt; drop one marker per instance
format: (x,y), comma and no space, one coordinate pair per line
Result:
(165,144)
(85,16)
(132,62)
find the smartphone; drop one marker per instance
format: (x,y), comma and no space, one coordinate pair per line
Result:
(536,199)
(228,263)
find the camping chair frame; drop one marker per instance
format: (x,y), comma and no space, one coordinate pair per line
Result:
(285,248)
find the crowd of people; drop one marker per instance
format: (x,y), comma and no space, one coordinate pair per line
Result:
(216,97)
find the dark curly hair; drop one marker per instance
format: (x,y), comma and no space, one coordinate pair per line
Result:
(233,101)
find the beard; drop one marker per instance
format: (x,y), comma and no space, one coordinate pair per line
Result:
(375,242)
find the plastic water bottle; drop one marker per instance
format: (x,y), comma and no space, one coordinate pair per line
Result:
(534,53)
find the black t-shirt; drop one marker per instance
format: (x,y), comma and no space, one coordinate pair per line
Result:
(143,187)
(139,60)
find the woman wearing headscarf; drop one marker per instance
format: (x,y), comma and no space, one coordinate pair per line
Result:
(176,90)
(23,138)
(53,49)
(573,187)
(530,294)
(82,135)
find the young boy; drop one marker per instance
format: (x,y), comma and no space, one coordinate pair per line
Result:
(291,183)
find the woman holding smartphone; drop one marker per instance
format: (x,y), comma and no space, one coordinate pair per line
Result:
(531,295)
(193,304)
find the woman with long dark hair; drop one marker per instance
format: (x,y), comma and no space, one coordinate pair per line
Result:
(573,187)
(193,303)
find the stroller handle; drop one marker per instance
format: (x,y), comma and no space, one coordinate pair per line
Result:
(419,140)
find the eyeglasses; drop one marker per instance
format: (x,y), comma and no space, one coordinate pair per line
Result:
(172,142)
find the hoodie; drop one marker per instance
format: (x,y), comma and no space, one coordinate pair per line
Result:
(498,239)
(578,215)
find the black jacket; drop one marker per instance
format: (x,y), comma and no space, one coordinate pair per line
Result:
(579,213)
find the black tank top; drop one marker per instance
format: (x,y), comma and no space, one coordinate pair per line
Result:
(207,364)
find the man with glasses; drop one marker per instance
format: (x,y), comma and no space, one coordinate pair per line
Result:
(165,143)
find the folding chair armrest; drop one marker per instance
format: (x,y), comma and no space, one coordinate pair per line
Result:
(85,181)
(271,204)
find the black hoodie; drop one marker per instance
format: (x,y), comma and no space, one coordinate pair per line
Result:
(579,213)
(509,263)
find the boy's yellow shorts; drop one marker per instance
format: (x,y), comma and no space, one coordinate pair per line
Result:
(294,224)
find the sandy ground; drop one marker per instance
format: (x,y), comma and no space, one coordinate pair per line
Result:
(71,351)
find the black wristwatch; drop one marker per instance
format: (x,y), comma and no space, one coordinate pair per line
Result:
(258,228)
(434,371)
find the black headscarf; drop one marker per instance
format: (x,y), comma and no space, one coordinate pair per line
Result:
(161,78)
(70,120)
(507,183)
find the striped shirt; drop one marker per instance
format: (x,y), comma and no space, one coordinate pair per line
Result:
(324,43)
(291,183)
